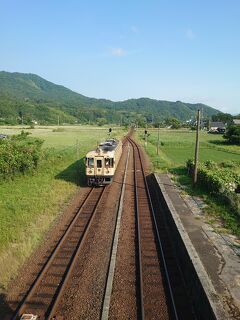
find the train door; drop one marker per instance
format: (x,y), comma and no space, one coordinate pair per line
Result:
(99,166)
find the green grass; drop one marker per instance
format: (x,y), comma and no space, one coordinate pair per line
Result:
(176,147)
(218,214)
(30,203)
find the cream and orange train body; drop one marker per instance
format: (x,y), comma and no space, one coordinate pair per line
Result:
(101,163)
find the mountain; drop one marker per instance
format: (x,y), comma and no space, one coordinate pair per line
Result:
(38,99)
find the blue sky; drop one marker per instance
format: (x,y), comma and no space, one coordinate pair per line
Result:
(171,50)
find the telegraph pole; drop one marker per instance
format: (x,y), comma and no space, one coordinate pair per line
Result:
(196,150)
(158,139)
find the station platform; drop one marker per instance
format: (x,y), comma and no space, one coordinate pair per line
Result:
(214,257)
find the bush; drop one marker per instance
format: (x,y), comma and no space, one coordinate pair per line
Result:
(19,154)
(219,180)
(58,130)
(233,134)
(229,164)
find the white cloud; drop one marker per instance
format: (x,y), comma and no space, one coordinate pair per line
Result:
(190,34)
(118,52)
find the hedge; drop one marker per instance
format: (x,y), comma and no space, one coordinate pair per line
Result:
(19,154)
(220,180)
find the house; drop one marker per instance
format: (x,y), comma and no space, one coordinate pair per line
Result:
(214,126)
(217,127)
(236,121)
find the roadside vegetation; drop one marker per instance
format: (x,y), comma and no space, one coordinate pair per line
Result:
(219,174)
(31,200)
(233,134)
(19,154)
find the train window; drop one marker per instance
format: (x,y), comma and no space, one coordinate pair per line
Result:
(109,162)
(99,163)
(91,162)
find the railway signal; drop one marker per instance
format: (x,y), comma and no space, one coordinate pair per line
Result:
(145,136)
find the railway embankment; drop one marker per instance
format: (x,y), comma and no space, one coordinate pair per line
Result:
(210,266)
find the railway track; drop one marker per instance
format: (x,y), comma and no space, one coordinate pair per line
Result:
(144,290)
(156,298)
(153,297)
(43,295)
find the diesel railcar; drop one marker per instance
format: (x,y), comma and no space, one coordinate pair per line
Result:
(101,163)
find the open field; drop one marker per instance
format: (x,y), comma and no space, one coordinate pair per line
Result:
(64,136)
(29,203)
(176,147)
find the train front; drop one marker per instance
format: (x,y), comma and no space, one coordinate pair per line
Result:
(99,167)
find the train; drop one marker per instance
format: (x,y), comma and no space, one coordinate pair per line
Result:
(102,163)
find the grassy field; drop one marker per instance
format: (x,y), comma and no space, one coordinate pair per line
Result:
(176,147)
(29,203)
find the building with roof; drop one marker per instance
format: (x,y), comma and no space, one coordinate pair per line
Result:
(236,121)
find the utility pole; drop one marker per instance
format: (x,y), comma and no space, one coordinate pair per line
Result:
(58,121)
(196,150)
(158,139)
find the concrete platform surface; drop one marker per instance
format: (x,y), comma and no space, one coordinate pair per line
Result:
(215,257)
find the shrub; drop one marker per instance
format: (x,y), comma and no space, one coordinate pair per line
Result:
(19,154)
(229,164)
(58,130)
(233,134)
(219,180)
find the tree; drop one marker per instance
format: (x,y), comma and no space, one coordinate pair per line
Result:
(233,134)
(101,121)
(173,122)
(224,117)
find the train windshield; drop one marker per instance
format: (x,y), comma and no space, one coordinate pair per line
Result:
(99,163)
(109,162)
(90,162)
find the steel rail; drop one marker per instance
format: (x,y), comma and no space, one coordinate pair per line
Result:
(113,255)
(157,232)
(50,313)
(22,306)
(140,272)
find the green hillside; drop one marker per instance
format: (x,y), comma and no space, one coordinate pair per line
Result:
(38,99)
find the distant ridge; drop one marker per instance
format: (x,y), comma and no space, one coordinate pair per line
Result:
(36,98)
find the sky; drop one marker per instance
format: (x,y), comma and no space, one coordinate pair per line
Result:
(187,50)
